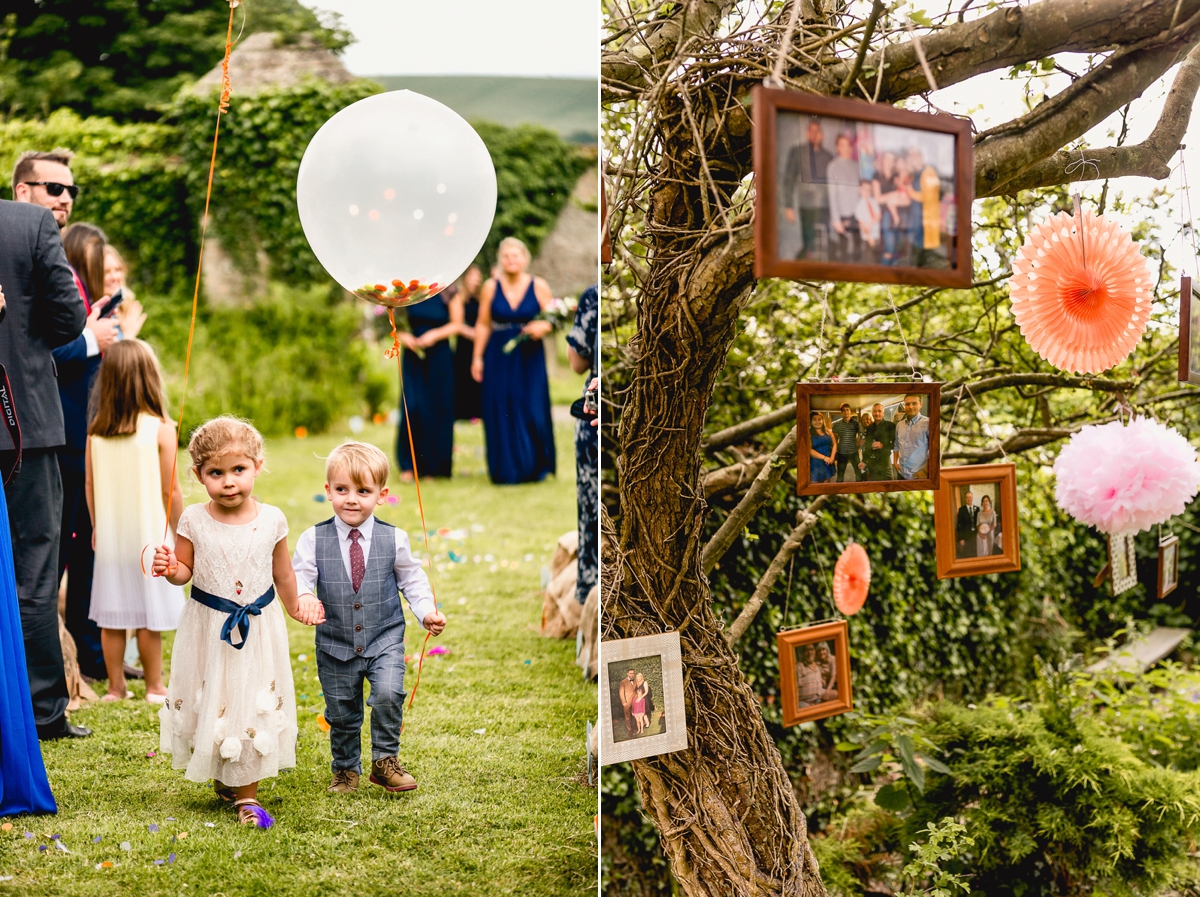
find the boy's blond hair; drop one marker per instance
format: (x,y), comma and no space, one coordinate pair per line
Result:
(222,435)
(359,461)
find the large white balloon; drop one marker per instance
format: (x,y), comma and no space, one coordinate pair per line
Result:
(396,194)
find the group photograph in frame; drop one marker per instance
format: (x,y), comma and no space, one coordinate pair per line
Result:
(641,698)
(866,437)
(1122,562)
(1189,331)
(1168,565)
(814,672)
(975,520)
(854,191)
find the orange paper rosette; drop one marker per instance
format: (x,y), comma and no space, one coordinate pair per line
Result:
(851,579)
(1081,296)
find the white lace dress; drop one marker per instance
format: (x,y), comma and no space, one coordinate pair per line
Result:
(231,714)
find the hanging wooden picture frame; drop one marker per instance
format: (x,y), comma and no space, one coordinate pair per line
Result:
(975,520)
(816,157)
(899,452)
(1168,565)
(1122,562)
(814,672)
(1189,331)
(646,673)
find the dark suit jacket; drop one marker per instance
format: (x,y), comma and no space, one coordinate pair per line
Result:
(964,525)
(44,312)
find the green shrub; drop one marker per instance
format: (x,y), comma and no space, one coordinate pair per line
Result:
(132,187)
(292,359)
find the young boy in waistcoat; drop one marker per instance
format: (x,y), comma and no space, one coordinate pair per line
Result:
(357,565)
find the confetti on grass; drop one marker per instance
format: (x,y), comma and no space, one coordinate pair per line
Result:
(152,828)
(7,826)
(61,846)
(125,845)
(96,840)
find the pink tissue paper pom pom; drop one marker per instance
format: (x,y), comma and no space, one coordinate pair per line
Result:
(1121,478)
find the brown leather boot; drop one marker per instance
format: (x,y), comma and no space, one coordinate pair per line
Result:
(388,773)
(344,781)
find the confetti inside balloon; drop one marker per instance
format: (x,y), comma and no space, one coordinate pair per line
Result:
(851,579)
(1081,296)
(1121,478)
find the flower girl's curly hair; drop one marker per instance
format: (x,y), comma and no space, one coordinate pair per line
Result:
(222,435)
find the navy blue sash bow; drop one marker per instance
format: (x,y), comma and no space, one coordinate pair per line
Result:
(239,614)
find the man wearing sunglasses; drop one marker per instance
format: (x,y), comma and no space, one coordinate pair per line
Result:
(44,311)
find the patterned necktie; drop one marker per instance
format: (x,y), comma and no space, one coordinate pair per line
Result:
(358,566)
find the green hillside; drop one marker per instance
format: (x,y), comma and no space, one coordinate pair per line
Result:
(570,106)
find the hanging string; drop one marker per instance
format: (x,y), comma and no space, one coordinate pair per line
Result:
(787,600)
(412,451)
(775,79)
(1190,224)
(954,415)
(222,108)
(821,335)
(986,425)
(908,354)
(1081,164)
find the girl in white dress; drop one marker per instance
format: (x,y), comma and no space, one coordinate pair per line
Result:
(230,714)
(129,461)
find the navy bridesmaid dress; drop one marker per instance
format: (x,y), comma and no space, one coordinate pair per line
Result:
(468,394)
(22,773)
(429,393)
(516,396)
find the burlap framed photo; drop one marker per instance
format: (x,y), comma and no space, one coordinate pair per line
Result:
(641,698)
(1122,562)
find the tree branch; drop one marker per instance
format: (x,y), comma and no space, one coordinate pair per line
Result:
(1040,379)
(743,431)
(786,551)
(726,479)
(1150,158)
(1005,152)
(1020,441)
(877,9)
(757,495)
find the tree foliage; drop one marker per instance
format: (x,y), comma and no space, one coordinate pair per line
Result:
(126,59)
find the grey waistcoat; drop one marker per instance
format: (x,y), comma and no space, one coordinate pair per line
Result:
(358,624)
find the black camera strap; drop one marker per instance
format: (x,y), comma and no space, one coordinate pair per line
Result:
(10,421)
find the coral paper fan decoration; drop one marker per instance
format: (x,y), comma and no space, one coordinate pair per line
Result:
(851,579)
(1126,478)
(1081,300)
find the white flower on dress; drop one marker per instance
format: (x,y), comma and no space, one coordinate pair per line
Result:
(264,741)
(266,701)
(231,749)
(220,729)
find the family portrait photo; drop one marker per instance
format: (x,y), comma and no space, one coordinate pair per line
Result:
(814,672)
(1168,565)
(641,705)
(864,437)
(1189,331)
(859,192)
(975,517)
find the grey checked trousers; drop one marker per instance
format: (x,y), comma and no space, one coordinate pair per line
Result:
(342,683)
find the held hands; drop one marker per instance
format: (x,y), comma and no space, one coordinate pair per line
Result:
(538,329)
(410,342)
(435,622)
(309,610)
(790,215)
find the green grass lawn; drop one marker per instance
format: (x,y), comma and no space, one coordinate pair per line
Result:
(495,738)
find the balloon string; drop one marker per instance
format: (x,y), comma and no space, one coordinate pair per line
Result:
(222,107)
(412,451)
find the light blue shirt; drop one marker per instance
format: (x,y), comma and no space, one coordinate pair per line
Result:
(912,445)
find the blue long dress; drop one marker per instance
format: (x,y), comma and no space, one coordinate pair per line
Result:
(819,471)
(468,394)
(516,396)
(22,773)
(429,392)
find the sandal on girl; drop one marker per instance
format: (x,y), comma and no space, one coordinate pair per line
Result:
(251,812)
(224,792)
(109,697)
(155,698)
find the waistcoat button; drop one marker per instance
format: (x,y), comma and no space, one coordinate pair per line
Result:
(358,650)
(358,628)
(357,605)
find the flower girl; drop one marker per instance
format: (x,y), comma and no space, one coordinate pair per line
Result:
(230,714)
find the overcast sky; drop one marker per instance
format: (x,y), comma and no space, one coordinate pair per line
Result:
(471,37)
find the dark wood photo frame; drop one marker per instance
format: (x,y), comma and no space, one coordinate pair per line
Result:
(1168,565)
(965,545)
(827,398)
(946,218)
(790,642)
(1189,331)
